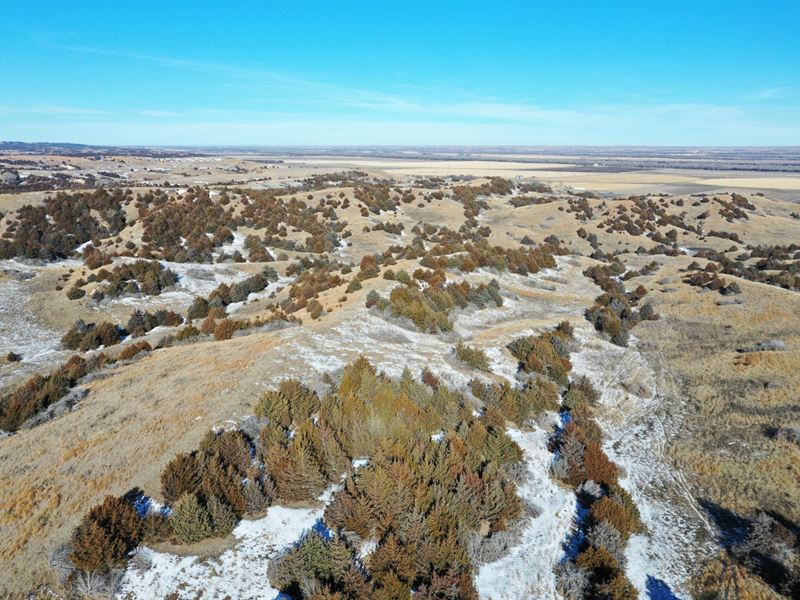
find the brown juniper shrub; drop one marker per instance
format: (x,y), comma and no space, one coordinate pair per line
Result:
(605,509)
(598,466)
(618,587)
(621,496)
(182,475)
(429,379)
(368,268)
(208,325)
(314,308)
(296,474)
(224,482)
(598,560)
(106,535)
(234,450)
(224,329)
(132,350)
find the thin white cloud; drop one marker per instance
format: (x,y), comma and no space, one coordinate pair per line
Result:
(321,112)
(52,110)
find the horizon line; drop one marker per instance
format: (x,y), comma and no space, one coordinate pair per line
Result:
(407,146)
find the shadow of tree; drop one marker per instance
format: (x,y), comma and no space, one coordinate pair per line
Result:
(658,590)
(764,556)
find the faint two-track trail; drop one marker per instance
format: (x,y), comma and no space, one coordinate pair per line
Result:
(635,392)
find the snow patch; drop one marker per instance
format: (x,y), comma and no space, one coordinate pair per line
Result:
(527,570)
(20,331)
(635,438)
(237,573)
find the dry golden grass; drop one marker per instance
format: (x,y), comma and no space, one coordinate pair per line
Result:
(734,398)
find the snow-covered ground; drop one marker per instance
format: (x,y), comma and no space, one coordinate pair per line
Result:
(389,346)
(274,286)
(240,572)
(527,570)
(237,245)
(392,347)
(635,437)
(194,279)
(20,331)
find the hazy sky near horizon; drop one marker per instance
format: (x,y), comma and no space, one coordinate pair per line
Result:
(416,73)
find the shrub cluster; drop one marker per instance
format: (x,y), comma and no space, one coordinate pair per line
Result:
(368,268)
(389,227)
(581,208)
(142,276)
(779,265)
(520,405)
(470,196)
(709,279)
(722,578)
(175,228)
(376,197)
(734,209)
(309,284)
(89,336)
(94,258)
(326,180)
(613,312)
(56,228)
(598,568)
(265,209)
(134,349)
(140,322)
(520,201)
(225,294)
(546,353)
(474,357)
(40,391)
(646,215)
(470,257)
(429,309)
(770,550)
(580,459)
(422,498)
(413,497)
(256,249)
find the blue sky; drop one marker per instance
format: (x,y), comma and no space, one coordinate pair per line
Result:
(468,73)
